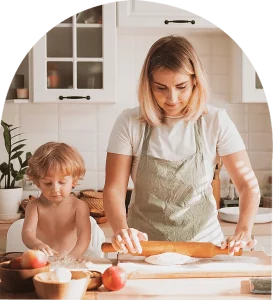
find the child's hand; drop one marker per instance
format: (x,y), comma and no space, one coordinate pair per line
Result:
(44,248)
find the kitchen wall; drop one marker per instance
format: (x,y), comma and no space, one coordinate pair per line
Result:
(87,127)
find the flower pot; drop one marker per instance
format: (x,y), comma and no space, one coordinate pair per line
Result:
(10,200)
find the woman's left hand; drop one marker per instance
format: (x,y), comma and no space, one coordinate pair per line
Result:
(239,240)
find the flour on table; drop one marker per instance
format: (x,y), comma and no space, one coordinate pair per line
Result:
(169,259)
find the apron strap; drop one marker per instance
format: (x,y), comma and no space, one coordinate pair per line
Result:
(147,135)
(198,134)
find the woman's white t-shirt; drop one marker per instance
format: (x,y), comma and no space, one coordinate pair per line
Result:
(175,140)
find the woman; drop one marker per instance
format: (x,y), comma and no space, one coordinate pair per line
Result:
(169,146)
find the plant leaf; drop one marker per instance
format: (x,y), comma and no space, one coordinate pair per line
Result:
(5,124)
(18,147)
(4,168)
(14,173)
(7,136)
(20,161)
(19,176)
(16,135)
(23,171)
(14,128)
(2,176)
(17,154)
(28,155)
(18,142)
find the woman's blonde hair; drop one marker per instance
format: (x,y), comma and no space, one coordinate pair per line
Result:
(55,157)
(173,53)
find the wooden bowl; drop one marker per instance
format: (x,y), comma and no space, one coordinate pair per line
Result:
(95,280)
(9,256)
(95,213)
(19,280)
(73,289)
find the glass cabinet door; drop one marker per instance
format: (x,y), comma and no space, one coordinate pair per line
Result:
(75,61)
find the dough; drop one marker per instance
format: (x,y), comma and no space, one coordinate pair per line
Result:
(169,259)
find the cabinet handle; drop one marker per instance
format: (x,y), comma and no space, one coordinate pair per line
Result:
(179,21)
(75,97)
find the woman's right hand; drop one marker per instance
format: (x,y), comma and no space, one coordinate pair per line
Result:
(129,240)
(44,248)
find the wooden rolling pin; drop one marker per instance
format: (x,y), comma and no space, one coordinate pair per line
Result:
(194,249)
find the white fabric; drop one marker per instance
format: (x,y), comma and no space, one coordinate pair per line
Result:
(15,243)
(175,140)
(14,237)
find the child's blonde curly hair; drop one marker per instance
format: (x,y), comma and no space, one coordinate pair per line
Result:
(55,157)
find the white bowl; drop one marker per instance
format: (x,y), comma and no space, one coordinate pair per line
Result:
(231,214)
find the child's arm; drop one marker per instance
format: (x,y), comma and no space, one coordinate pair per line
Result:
(29,230)
(83,230)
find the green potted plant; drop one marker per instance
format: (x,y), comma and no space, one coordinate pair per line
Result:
(10,194)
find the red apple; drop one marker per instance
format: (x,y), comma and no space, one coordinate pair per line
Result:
(114,278)
(16,263)
(33,259)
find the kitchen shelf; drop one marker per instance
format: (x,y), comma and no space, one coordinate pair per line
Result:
(19,101)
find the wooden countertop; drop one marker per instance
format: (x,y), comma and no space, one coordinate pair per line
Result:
(258,229)
(228,228)
(197,288)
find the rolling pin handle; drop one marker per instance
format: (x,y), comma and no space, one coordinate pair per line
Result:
(107,247)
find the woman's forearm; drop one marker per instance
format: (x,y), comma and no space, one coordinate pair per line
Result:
(249,204)
(114,207)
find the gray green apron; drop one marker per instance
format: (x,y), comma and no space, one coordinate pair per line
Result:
(172,198)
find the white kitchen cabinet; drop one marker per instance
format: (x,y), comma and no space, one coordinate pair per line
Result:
(134,13)
(76,59)
(246,86)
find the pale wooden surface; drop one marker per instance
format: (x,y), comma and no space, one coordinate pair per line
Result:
(251,263)
(159,289)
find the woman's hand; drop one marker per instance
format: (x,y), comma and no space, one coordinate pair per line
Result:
(129,240)
(239,240)
(44,248)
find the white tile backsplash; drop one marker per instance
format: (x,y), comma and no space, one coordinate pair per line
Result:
(86,118)
(261,108)
(103,139)
(220,84)
(87,126)
(261,161)
(39,118)
(101,161)
(83,141)
(220,65)
(261,142)
(34,140)
(259,123)
(220,45)
(90,160)
(240,121)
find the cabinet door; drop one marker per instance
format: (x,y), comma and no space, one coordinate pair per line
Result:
(77,59)
(134,13)
(246,86)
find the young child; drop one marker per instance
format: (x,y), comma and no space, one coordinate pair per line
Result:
(57,221)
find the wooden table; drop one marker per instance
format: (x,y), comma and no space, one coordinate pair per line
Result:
(189,288)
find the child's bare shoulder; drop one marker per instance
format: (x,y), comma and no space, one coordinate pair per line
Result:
(32,204)
(78,202)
